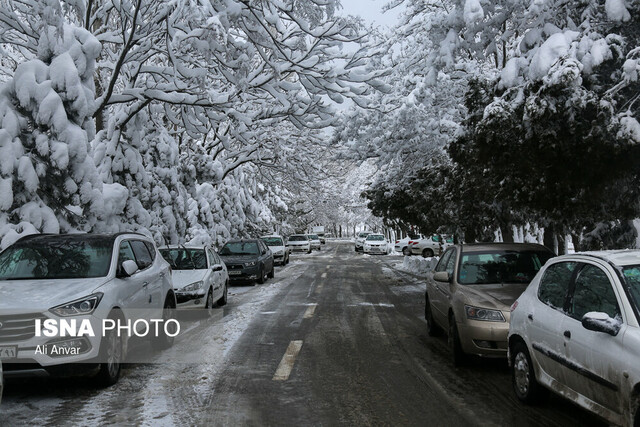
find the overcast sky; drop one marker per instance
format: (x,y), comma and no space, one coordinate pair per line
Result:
(370,11)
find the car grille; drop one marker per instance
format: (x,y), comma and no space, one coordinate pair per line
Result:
(20,327)
(234,266)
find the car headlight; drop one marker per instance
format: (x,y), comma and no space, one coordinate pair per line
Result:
(78,307)
(279,252)
(193,286)
(484,314)
(249,264)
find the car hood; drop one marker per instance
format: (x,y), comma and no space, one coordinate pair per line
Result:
(239,259)
(500,296)
(297,243)
(182,278)
(276,248)
(28,296)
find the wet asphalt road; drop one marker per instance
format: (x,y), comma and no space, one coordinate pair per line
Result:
(338,339)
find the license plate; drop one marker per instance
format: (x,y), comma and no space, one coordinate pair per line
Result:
(8,352)
(235,273)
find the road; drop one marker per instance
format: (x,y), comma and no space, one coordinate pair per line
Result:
(337,338)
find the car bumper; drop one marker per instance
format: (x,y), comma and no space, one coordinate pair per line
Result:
(375,251)
(299,248)
(484,338)
(187,300)
(246,274)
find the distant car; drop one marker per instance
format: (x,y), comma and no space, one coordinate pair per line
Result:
(376,244)
(299,243)
(360,238)
(199,276)
(322,238)
(315,241)
(81,278)
(248,260)
(471,290)
(427,247)
(279,249)
(575,331)
(402,245)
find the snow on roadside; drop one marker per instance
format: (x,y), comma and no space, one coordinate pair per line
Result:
(417,265)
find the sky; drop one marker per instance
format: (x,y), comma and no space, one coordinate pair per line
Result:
(370,11)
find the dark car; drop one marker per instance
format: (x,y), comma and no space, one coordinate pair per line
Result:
(247,260)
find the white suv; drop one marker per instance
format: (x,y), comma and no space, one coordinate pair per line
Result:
(576,331)
(62,296)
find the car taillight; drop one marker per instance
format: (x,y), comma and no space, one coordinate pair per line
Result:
(410,242)
(514,306)
(397,241)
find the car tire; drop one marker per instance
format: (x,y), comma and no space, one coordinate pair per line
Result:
(111,351)
(163,341)
(458,356)
(223,299)
(523,377)
(427,253)
(309,251)
(287,261)
(261,277)
(433,330)
(208,305)
(636,420)
(272,274)
(406,251)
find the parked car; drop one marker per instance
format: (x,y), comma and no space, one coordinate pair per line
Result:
(402,245)
(248,260)
(279,249)
(200,278)
(299,243)
(471,290)
(575,331)
(376,244)
(83,278)
(360,240)
(427,247)
(315,242)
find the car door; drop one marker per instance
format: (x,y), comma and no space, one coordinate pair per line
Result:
(440,290)
(151,279)
(544,318)
(267,256)
(131,290)
(594,358)
(214,276)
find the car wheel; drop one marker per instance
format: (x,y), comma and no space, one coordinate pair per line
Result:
(309,251)
(209,303)
(111,355)
(433,330)
(453,339)
(223,299)
(287,261)
(523,376)
(406,251)
(261,276)
(272,274)
(636,421)
(427,253)
(163,340)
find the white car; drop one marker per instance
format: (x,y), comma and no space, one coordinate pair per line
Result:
(299,243)
(402,245)
(427,247)
(200,278)
(315,242)
(279,249)
(87,283)
(576,331)
(360,240)
(376,244)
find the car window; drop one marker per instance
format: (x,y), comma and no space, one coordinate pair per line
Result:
(152,250)
(451,263)
(554,285)
(143,257)
(442,264)
(593,292)
(632,279)
(501,266)
(125,253)
(239,248)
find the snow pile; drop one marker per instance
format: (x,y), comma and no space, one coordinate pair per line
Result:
(617,11)
(472,12)
(419,265)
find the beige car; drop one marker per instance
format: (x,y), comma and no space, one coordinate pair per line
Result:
(470,292)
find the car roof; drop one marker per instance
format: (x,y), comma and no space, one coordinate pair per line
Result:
(376,234)
(271,235)
(620,257)
(183,247)
(482,247)
(242,241)
(77,236)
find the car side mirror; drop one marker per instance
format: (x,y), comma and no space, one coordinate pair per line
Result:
(217,267)
(442,276)
(128,268)
(601,322)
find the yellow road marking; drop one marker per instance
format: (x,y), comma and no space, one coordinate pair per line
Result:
(286,364)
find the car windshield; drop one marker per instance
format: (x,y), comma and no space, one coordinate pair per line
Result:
(239,248)
(363,235)
(298,238)
(56,258)
(479,268)
(185,258)
(632,277)
(376,237)
(313,237)
(273,241)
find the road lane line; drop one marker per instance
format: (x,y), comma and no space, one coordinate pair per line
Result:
(310,310)
(324,275)
(286,364)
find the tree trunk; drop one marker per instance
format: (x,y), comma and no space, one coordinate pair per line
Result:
(549,237)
